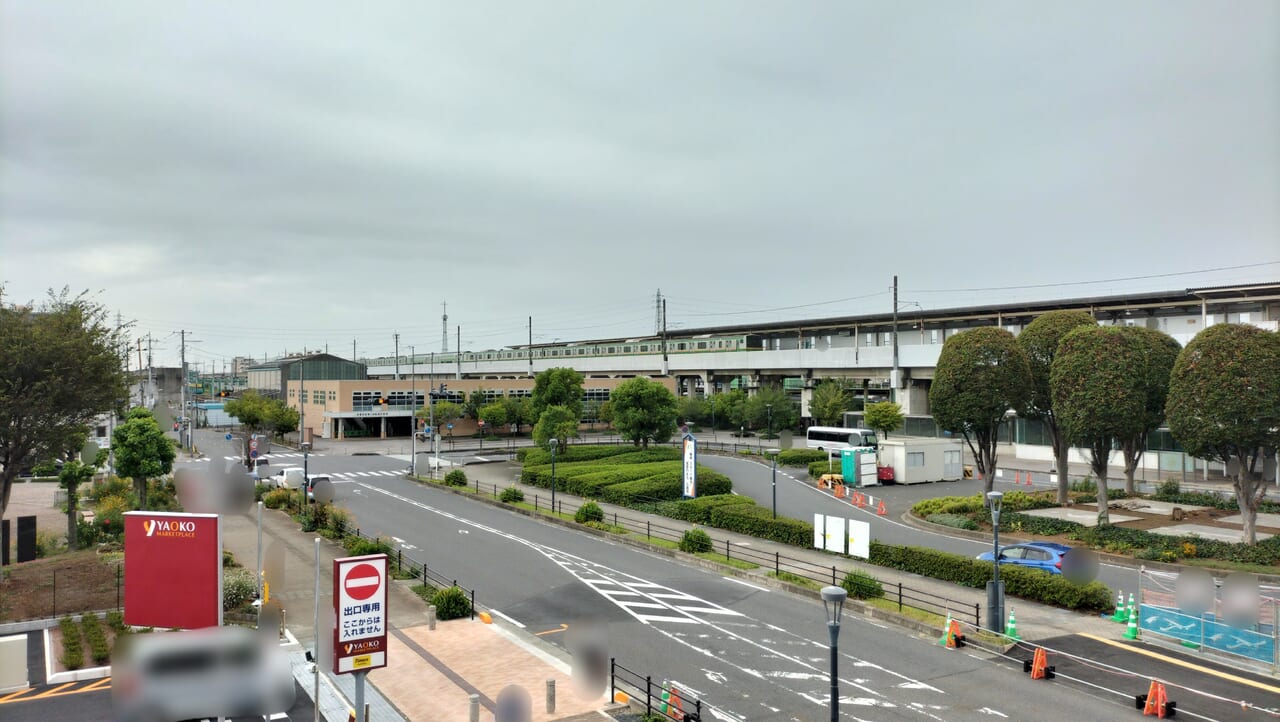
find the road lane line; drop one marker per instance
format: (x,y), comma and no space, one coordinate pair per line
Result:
(736,580)
(1182,663)
(509,619)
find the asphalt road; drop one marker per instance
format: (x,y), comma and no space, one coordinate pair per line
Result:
(799,498)
(748,652)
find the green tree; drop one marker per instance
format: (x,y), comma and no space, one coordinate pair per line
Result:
(557,387)
(606,413)
(475,400)
(591,412)
(830,400)
(59,368)
(515,408)
(1039,341)
(730,408)
(883,417)
(1224,405)
(981,375)
(555,422)
(445,412)
(1099,393)
(771,401)
(494,415)
(250,410)
(644,411)
(693,409)
(281,417)
(1159,355)
(142,451)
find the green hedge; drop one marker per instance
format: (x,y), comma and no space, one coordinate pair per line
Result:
(956,521)
(1013,501)
(698,510)
(759,522)
(1030,584)
(1040,525)
(818,468)
(1171,491)
(574,452)
(800,457)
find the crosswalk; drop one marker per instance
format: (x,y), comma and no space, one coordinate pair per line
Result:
(288,455)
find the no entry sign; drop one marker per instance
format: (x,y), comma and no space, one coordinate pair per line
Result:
(360,610)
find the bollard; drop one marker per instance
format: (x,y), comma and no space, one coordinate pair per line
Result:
(431,617)
(475,708)
(551,696)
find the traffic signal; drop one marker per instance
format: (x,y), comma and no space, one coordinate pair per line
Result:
(444,388)
(382,402)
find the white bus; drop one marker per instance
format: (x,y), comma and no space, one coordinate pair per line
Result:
(832,439)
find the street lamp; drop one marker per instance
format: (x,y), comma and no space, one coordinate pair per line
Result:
(833,600)
(774,454)
(553,443)
(995,588)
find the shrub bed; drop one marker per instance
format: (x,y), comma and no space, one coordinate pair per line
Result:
(457,477)
(1171,491)
(800,457)
(511,495)
(579,452)
(238,588)
(589,511)
(451,603)
(694,541)
(358,546)
(698,510)
(72,647)
(861,585)
(818,468)
(759,522)
(1026,583)
(99,649)
(956,521)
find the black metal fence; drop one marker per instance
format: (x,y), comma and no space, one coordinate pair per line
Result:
(658,698)
(783,566)
(403,565)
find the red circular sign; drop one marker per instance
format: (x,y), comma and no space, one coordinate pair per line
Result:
(362,582)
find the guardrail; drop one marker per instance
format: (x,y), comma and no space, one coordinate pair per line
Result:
(642,687)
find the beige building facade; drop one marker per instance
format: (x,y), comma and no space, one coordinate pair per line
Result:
(351,409)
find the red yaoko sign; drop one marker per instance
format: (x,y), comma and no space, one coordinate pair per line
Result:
(360,611)
(173,570)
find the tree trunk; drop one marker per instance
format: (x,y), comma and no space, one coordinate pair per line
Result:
(140,491)
(1100,453)
(987,460)
(1132,455)
(1061,453)
(73,538)
(1247,498)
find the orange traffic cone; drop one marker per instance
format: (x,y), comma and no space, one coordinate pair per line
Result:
(1028,478)
(676,708)
(840,491)
(955,639)
(861,500)
(1038,665)
(1155,701)
(1017,478)
(880,510)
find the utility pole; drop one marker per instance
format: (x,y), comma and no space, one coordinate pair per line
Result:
(444,327)
(531,347)
(458,352)
(893,377)
(413,418)
(666,366)
(151,372)
(182,437)
(353,349)
(397,356)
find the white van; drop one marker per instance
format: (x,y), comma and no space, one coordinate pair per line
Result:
(832,439)
(289,477)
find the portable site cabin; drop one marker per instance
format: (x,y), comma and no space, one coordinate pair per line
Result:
(917,459)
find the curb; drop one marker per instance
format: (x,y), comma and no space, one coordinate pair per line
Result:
(1120,561)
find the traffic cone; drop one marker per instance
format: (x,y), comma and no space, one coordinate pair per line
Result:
(1028,478)
(1130,602)
(946,629)
(862,500)
(955,639)
(1155,701)
(676,710)
(1011,629)
(1038,666)
(1017,478)
(1120,614)
(880,510)
(666,699)
(1132,631)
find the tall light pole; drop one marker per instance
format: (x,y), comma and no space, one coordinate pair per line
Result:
(833,601)
(413,419)
(768,408)
(995,588)
(774,454)
(553,443)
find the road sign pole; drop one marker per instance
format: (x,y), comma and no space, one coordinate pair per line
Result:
(315,645)
(359,697)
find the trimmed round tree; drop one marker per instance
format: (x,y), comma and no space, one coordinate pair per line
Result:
(981,375)
(1161,352)
(1099,393)
(1224,405)
(142,451)
(883,417)
(644,411)
(1039,340)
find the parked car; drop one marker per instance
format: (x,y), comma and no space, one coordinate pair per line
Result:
(288,477)
(311,484)
(1046,556)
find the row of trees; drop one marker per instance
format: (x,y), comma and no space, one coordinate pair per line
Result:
(1106,388)
(262,414)
(769,407)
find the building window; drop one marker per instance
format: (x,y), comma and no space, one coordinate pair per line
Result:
(492,395)
(933,336)
(915,459)
(520,393)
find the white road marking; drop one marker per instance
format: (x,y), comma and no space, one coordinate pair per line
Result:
(988,710)
(509,619)
(736,580)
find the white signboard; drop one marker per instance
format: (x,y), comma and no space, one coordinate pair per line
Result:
(819,533)
(360,611)
(835,534)
(859,539)
(690,466)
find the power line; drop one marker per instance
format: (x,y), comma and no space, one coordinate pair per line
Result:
(1105,280)
(789,308)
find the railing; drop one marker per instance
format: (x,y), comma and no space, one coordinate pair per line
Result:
(402,563)
(906,597)
(644,690)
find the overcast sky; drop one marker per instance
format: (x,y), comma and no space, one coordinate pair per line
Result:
(271,175)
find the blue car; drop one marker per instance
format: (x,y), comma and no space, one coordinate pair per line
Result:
(1046,556)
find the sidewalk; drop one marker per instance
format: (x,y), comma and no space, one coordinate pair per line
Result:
(431,673)
(1035,621)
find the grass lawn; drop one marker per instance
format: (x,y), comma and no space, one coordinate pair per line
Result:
(796,579)
(722,559)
